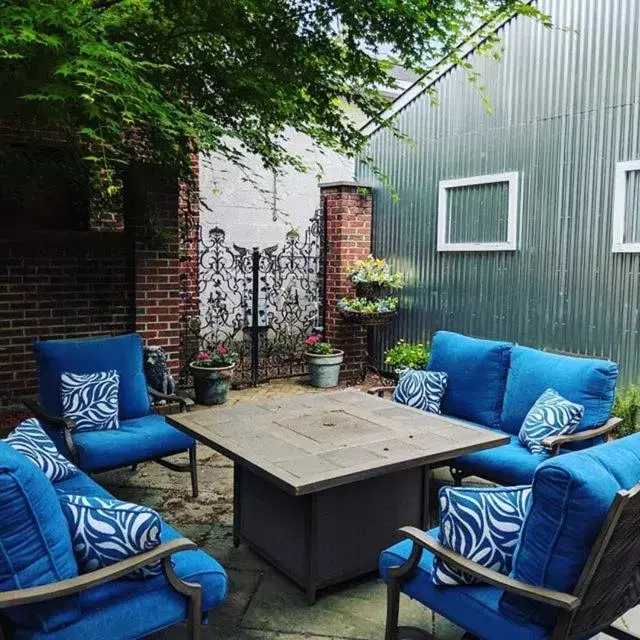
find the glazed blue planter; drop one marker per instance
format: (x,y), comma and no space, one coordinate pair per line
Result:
(324,370)
(211,385)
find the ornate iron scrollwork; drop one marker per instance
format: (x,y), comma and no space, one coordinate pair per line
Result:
(287,302)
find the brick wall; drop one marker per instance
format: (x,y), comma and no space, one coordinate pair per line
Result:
(59,285)
(348,209)
(71,280)
(189,257)
(166,262)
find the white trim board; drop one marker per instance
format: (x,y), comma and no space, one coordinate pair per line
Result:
(511,244)
(620,207)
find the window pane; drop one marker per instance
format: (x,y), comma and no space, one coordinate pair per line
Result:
(632,212)
(478,213)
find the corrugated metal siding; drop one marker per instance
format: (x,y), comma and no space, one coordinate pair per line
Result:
(566,109)
(478,213)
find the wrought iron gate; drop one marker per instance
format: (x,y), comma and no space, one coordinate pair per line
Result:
(262,304)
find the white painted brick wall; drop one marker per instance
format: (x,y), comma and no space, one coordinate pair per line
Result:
(245,211)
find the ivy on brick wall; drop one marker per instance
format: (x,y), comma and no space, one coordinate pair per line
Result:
(164,77)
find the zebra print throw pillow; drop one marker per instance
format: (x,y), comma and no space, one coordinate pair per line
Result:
(421,389)
(551,415)
(104,532)
(91,399)
(481,524)
(30,439)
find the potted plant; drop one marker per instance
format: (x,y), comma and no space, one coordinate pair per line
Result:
(324,362)
(212,371)
(407,355)
(373,281)
(373,278)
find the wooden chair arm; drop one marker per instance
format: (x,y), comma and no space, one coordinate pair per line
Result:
(555,442)
(547,596)
(380,391)
(183,402)
(108,574)
(58,422)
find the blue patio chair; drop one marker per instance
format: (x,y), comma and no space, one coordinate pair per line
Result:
(45,596)
(142,435)
(576,568)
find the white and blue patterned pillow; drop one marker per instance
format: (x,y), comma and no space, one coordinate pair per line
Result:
(30,439)
(551,415)
(91,399)
(421,389)
(104,532)
(481,524)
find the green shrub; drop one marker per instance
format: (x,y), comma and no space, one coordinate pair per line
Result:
(625,406)
(407,354)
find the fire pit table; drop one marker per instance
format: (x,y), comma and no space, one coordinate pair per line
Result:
(323,481)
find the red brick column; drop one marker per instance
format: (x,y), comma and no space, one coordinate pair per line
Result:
(347,207)
(164,215)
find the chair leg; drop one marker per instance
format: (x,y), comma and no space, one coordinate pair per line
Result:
(393,609)
(193,465)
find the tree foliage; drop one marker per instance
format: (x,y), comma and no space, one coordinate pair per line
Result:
(224,76)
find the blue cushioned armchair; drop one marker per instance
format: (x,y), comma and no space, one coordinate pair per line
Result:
(575,570)
(143,435)
(494,384)
(42,594)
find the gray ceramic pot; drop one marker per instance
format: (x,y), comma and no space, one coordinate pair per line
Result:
(211,385)
(324,370)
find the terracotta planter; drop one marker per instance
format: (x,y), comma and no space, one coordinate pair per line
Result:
(211,384)
(324,370)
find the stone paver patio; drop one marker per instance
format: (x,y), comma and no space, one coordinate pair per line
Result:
(262,604)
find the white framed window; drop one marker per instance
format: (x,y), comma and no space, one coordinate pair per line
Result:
(626,207)
(479,213)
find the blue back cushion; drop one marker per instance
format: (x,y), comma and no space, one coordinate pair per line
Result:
(477,374)
(571,496)
(35,543)
(122,353)
(586,381)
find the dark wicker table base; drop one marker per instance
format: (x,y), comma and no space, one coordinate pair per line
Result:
(330,536)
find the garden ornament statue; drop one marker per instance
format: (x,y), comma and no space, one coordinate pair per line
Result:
(156,370)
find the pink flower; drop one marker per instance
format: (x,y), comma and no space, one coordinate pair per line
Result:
(222,349)
(203,355)
(312,340)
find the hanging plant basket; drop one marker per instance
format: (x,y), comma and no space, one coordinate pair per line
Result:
(368,319)
(371,290)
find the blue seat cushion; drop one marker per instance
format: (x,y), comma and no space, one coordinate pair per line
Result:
(120,353)
(35,544)
(127,609)
(136,440)
(81,484)
(585,381)
(571,496)
(510,464)
(473,608)
(477,375)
